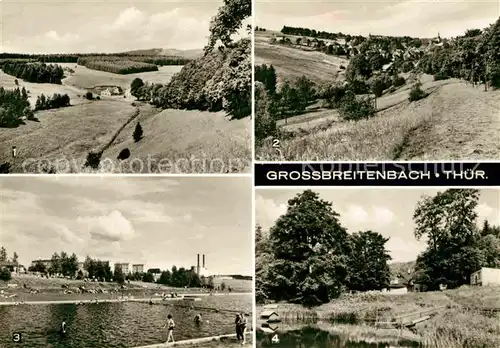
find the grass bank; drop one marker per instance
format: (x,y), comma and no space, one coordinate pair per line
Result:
(455,122)
(460,322)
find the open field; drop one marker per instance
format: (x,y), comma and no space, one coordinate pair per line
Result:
(460,323)
(85,78)
(36,89)
(174,140)
(455,122)
(66,134)
(291,63)
(186,141)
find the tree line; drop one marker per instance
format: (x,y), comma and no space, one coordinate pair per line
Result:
(66,265)
(311,33)
(180,277)
(293,98)
(34,72)
(456,247)
(73,58)
(308,257)
(220,80)
(14,105)
(116,65)
(56,101)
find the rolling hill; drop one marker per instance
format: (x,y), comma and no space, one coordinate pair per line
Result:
(455,121)
(189,54)
(292,63)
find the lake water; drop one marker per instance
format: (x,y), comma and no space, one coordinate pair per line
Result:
(114,325)
(312,337)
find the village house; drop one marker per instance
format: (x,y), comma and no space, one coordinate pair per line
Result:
(46,263)
(485,276)
(11,266)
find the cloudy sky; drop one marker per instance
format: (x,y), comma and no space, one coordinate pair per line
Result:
(387,211)
(156,221)
(417,18)
(60,26)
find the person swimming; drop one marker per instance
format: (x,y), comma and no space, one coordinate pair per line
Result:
(197,319)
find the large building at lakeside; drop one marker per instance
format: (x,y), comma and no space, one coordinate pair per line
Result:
(138,268)
(124,266)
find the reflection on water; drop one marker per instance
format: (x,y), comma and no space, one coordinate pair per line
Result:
(127,324)
(312,337)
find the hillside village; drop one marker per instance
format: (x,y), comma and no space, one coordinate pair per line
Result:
(309,83)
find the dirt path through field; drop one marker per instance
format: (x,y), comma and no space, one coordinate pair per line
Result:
(463,122)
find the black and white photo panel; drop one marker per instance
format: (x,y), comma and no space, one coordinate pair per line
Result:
(134,262)
(385,267)
(377,80)
(135,87)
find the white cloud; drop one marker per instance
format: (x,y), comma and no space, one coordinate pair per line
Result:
(355,213)
(382,216)
(267,211)
(53,35)
(129,18)
(403,250)
(112,227)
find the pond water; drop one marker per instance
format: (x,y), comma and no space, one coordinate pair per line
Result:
(313,337)
(127,324)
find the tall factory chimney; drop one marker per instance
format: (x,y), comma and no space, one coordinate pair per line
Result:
(203,261)
(198,265)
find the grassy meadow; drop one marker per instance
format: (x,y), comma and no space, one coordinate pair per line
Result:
(66,134)
(173,140)
(187,142)
(436,127)
(85,78)
(292,63)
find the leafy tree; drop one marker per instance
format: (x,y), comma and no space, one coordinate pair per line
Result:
(228,21)
(148,278)
(265,123)
(3,254)
(137,132)
(305,92)
(309,251)
(352,108)
(136,84)
(378,86)
(55,264)
(266,75)
(118,275)
(263,258)
(359,67)
(448,221)
(417,93)
(5,274)
(368,268)
(38,267)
